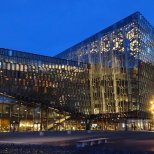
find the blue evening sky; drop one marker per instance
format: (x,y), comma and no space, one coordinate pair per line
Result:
(50,26)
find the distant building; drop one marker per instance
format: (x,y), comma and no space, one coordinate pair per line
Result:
(104,82)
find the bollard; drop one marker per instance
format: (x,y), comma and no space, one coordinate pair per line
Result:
(69,132)
(41,133)
(89,131)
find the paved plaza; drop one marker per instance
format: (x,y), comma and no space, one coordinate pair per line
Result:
(119,140)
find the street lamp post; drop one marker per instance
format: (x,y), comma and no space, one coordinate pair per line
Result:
(152,112)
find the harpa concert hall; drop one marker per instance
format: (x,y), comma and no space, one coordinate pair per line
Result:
(105,82)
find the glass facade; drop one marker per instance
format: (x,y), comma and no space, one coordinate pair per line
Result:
(122,70)
(45,90)
(104,82)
